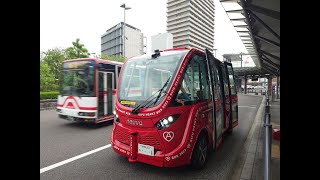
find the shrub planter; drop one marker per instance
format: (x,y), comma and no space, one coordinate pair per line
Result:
(48,104)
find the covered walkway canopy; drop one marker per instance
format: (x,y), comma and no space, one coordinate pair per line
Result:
(257,23)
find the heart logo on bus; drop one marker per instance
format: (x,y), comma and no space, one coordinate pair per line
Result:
(168,158)
(168,136)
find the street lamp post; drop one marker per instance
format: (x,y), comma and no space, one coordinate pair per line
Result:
(124,25)
(41,54)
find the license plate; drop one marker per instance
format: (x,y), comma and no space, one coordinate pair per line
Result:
(145,149)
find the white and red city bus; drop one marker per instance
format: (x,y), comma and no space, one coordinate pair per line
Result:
(87,91)
(173,107)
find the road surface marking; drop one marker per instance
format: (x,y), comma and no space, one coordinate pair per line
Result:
(251,106)
(73,158)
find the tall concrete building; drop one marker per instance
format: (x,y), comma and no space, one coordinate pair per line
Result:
(161,41)
(191,23)
(112,41)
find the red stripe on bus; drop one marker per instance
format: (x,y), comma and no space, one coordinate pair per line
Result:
(80,107)
(108,118)
(219,141)
(114,91)
(105,92)
(234,124)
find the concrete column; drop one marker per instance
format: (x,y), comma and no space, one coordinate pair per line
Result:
(245,84)
(278,83)
(270,86)
(239,85)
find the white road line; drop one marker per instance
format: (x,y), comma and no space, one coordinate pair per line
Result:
(251,106)
(73,159)
(243,106)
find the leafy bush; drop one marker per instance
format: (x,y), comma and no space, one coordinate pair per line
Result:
(49,88)
(49,95)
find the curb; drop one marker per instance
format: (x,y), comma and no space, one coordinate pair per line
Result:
(252,139)
(243,167)
(48,104)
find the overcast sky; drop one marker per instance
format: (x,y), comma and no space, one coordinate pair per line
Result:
(62,21)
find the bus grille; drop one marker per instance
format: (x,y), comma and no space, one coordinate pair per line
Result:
(149,140)
(123,136)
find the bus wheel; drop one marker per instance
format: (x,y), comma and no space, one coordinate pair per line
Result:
(200,153)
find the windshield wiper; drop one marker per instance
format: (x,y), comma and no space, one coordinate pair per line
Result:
(136,109)
(146,103)
(160,93)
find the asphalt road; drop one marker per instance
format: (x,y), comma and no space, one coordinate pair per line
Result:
(61,140)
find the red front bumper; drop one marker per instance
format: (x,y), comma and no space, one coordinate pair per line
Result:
(125,142)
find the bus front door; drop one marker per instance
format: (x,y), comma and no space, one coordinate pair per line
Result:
(226,97)
(217,100)
(101,94)
(109,97)
(105,99)
(233,95)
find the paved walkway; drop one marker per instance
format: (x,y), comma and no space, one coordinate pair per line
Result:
(250,165)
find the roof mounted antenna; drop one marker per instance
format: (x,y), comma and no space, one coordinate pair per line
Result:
(156,54)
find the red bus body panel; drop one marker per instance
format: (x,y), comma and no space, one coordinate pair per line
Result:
(173,146)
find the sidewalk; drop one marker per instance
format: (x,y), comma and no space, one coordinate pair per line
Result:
(258,168)
(275,151)
(253,166)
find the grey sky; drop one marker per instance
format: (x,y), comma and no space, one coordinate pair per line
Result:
(62,21)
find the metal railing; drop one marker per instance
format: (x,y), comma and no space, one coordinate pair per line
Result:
(267,140)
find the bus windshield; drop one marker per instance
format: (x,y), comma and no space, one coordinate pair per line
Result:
(77,80)
(143,77)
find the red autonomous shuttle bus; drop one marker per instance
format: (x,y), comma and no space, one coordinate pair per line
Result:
(174,106)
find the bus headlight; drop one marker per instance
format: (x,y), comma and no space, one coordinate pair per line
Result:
(116,117)
(167,121)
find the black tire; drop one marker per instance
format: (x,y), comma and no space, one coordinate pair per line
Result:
(200,153)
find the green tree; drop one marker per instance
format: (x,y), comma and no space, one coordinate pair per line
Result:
(54,58)
(112,57)
(78,50)
(46,78)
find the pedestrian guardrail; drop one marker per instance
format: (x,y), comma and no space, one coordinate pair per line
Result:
(267,140)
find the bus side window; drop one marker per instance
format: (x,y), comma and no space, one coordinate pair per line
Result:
(100,83)
(194,86)
(232,82)
(204,79)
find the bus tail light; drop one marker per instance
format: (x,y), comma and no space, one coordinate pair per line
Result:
(91,114)
(167,121)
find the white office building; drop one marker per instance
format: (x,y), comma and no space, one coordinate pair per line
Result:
(161,41)
(191,22)
(112,41)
